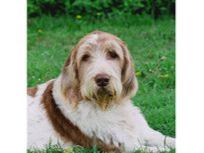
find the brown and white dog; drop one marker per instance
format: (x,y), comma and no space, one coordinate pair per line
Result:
(89,103)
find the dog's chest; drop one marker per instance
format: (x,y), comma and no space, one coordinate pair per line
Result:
(115,126)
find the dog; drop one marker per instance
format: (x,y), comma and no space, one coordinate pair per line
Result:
(89,102)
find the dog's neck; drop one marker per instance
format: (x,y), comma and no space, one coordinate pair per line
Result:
(87,116)
(63,125)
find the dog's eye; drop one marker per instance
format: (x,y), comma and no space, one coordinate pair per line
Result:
(85,57)
(112,55)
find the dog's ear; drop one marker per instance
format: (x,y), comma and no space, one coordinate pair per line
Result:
(70,80)
(129,80)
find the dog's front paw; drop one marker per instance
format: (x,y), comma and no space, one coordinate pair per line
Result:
(170,142)
(154,149)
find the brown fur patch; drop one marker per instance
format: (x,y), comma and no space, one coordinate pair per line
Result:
(127,73)
(65,128)
(32,91)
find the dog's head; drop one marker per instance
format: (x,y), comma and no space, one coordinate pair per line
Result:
(99,70)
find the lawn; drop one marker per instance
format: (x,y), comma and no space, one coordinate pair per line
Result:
(151,43)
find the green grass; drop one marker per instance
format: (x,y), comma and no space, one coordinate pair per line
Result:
(76,149)
(151,43)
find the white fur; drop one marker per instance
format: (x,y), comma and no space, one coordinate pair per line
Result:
(92,39)
(40,131)
(122,124)
(99,64)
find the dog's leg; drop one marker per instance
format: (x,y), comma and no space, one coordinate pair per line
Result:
(155,138)
(154,149)
(151,137)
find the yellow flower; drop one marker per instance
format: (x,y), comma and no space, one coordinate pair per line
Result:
(78,17)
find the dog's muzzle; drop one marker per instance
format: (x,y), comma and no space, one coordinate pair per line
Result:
(102,80)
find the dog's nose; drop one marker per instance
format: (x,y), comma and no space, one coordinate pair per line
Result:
(102,80)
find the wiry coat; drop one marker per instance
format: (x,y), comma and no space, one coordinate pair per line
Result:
(73,109)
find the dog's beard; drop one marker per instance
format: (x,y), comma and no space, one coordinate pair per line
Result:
(103,96)
(104,93)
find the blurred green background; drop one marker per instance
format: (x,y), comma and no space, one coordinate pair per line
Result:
(100,8)
(147,27)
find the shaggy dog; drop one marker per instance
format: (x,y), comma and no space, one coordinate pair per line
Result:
(89,103)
